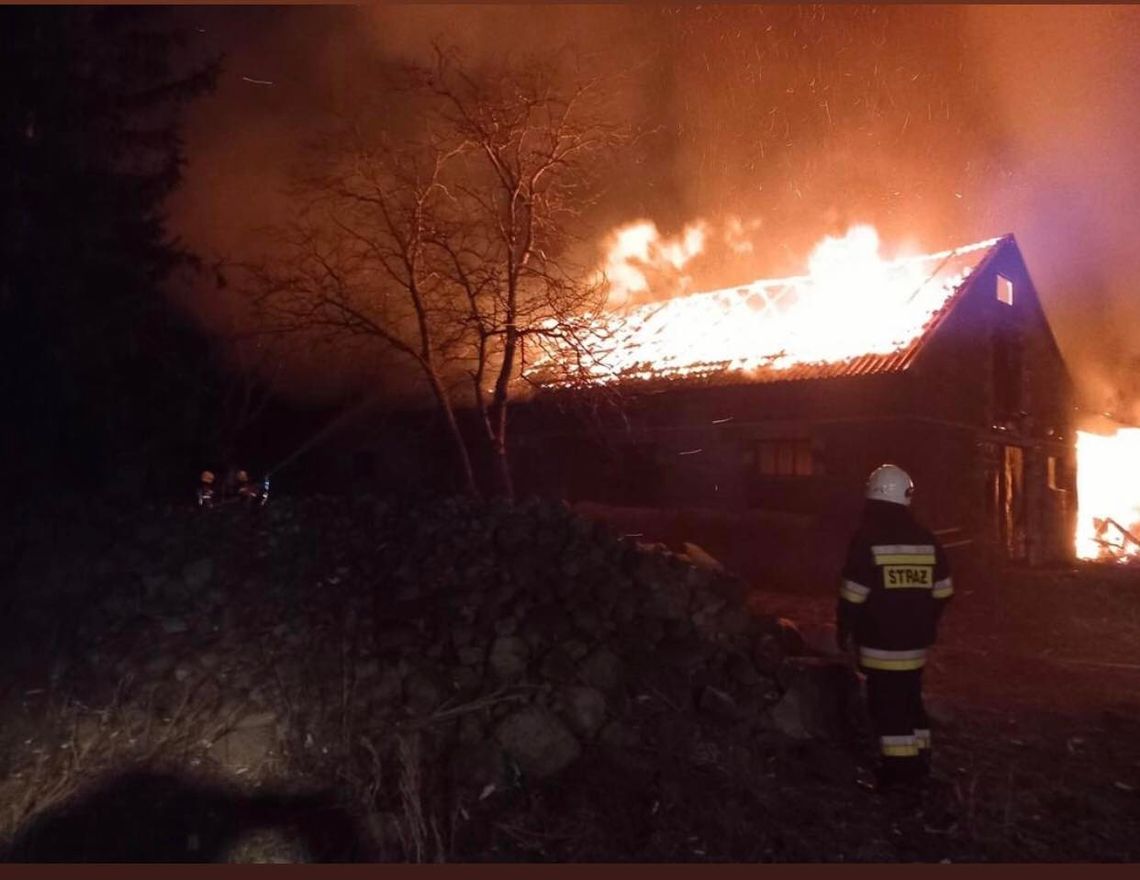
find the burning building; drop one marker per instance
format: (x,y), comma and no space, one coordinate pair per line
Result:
(767,405)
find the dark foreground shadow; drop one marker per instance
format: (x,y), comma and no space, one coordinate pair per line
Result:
(145,816)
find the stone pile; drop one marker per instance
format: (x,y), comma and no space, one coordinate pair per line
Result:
(545,634)
(511,639)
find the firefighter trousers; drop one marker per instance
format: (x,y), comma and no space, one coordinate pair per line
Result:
(900,723)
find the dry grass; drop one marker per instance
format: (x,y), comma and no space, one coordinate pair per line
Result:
(76,745)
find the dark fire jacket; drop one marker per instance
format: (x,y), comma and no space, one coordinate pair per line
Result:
(896,581)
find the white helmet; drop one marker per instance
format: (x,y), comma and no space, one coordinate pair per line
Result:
(891,483)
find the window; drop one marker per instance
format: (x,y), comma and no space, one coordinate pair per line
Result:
(784,458)
(1004,290)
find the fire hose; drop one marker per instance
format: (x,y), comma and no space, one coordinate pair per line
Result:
(206,497)
(336,422)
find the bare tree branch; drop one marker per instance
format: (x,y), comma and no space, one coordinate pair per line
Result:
(454,248)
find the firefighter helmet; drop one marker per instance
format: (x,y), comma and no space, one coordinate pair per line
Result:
(207,476)
(891,483)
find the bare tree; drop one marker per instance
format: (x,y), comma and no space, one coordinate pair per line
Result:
(453,247)
(529,148)
(358,265)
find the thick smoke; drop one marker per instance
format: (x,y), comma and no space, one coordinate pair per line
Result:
(773,125)
(1060,78)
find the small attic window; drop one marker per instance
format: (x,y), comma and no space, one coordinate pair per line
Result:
(1004,290)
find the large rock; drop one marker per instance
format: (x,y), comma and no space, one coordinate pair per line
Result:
(603,669)
(818,698)
(509,657)
(668,599)
(767,655)
(732,620)
(777,638)
(700,558)
(584,709)
(538,741)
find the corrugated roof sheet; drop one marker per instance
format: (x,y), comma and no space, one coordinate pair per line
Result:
(646,330)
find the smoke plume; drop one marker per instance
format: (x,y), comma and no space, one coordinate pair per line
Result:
(769,127)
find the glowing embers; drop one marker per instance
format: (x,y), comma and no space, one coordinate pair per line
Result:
(851,305)
(1108,495)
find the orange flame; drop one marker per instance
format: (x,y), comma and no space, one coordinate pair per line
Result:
(852,303)
(637,255)
(1108,495)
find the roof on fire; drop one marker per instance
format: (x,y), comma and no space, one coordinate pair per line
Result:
(642,335)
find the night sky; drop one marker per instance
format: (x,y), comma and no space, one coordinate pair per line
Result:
(940,125)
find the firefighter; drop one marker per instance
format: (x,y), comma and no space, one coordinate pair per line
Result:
(230,484)
(896,583)
(247,493)
(206,489)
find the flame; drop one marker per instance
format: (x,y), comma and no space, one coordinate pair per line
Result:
(1108,495)
(637,254)
(738,235)
(851,303)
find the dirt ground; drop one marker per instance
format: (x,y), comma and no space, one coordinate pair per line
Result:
(1035,692)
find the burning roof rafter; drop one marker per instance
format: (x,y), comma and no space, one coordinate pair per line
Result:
(853,313)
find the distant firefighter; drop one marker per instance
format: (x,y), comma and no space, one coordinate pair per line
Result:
(230,483)
(249,493)
(206,495)
(246,492)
